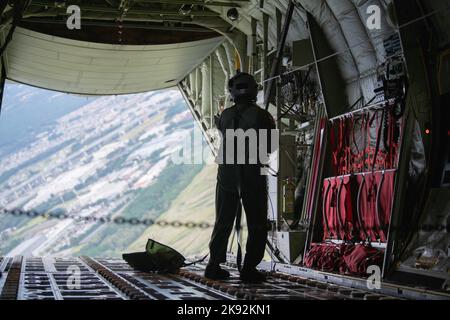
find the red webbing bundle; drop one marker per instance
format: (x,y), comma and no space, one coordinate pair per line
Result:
(345,205)
(359,157)
(368,217)
(342,156)
(316,254)
(345,258)
(325,256)
(357,259)
(357,203)
(385,198)
(354,158)
(362,211)
(337,208)
(348,157)
(328,208)
(374,204)
(366,207)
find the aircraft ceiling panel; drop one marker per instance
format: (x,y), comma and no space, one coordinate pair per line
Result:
(92,68)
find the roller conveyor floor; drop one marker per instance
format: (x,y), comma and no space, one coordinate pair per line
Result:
(87,278)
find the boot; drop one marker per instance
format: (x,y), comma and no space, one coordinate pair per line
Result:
(215,272)
(251,275)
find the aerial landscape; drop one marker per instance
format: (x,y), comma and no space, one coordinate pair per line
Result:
(99,157)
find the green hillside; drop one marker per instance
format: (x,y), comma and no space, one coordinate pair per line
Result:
(110,240)
(194,203)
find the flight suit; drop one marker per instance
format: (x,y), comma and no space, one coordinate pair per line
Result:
(241,183)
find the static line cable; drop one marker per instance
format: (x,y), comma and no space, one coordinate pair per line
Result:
(103,220)
(163,223)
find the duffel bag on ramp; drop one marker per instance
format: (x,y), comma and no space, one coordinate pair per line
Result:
(157,258)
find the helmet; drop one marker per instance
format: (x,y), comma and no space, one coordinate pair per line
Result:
(243,88)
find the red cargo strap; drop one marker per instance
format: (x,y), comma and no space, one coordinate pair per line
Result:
(325,206)
(330,209)
(337,208)
(374,204)
(341,169)
(345,206)
(370,152)
(354,158)
(385,197)
(364,234)
(332,202)
(335,149)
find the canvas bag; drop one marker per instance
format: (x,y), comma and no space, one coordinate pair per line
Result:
(157,258)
